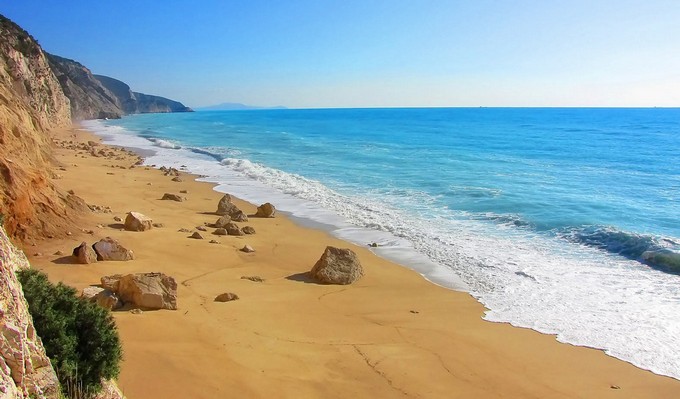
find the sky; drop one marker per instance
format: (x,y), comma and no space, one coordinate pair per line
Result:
(392,53)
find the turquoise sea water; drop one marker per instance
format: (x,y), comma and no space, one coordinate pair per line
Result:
(560,220)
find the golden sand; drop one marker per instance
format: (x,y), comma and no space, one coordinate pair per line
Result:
(391,334)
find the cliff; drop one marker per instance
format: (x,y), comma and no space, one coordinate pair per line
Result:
(31,103)
(139,103)
(89,98)
(97,96)
(25,370)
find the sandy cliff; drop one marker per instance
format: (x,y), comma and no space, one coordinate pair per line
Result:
(31,103)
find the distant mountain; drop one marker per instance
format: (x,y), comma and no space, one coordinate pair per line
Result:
(98,96)
(234,107)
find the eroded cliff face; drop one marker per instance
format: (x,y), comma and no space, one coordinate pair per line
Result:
(31,103)
(98,96)
(89,98)
(25,370)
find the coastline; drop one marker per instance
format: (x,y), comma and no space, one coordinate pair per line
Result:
(391,334)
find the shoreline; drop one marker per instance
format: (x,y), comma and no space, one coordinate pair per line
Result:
(392,334)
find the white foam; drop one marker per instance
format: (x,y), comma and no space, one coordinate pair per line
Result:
(584,296)
(165,144)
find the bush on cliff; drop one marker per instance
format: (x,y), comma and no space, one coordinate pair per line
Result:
(79,337)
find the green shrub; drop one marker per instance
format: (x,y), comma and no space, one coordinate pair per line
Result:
(79,337)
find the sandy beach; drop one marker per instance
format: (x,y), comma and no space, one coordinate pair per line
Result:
(391,334)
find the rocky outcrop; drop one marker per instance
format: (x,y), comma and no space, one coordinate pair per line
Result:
(135,221)
(144,290)
(110,249)
(31,102)
(266,210)
(233,229)
(25,370)
(84,254)
(337,266)
(102,297)
(227,208)
(222,222)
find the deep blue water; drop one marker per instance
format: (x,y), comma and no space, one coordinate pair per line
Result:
(561,220)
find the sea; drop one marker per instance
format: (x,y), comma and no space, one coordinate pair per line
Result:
(561,220)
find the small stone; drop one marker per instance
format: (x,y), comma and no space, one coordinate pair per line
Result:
(172,197)
(183,191)
(37,254)
(117,219)
(136,311)
(149,184)
(414,311)
(256,279)
(177,179)
(248,230)
(226,297)
(201,228)
(196,235)
(214,242)
(220,232)
(59,253)
(239,216)
(71,192)
(233,229)
(68,233)
(247,249)
(223,221)
(373,245)
(183,230)
(615,387)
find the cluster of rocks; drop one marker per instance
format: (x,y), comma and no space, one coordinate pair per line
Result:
(94,149)
(99,208)
(169,171)
(103,250)
(148,291)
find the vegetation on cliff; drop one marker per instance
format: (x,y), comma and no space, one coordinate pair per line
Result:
(80,337)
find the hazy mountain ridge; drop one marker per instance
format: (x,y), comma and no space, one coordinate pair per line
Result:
(234,107)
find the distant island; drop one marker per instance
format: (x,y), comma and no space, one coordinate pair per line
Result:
(234,107)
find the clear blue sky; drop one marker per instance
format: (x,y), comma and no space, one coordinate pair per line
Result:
(348,53)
